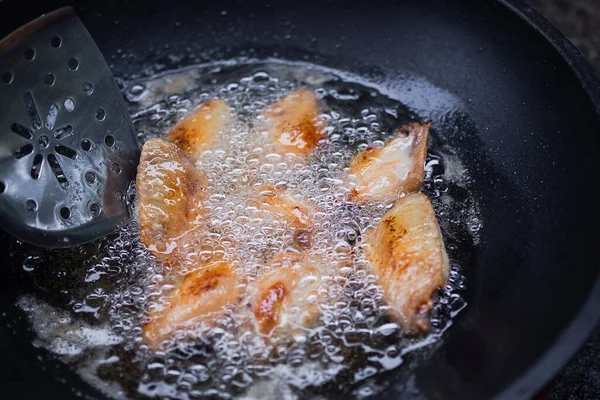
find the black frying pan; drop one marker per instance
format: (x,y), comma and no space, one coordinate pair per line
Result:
(528,132)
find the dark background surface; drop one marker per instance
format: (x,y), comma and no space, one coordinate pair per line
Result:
(580,22)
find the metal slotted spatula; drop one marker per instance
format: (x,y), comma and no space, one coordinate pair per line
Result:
(68,149)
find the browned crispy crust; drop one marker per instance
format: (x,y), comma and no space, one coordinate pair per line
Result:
(281,289)
(200,130)
(408,257)
(293,123)
(269,304)
(200,295)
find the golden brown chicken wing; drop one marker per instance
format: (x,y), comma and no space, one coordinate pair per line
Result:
(170,194)
(293,123)
(397,168)
(288,294)
(201,130)
(200,295)
(409,260)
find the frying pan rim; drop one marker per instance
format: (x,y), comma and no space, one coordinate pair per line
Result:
(586,74)
(570,340)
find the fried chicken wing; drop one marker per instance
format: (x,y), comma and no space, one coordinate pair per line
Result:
(288,294)
(200,130)
(293,123)
(170,194)
(200,295)
(397,168)
(409,260)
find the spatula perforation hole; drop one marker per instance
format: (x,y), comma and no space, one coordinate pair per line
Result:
(66,151)
(100,114)
(63,132)
(90,177)
(30,54)
(115,168)
(86,145)
(73,64)
(2,187)
(21,131)
(43,141)
(56,42)
(36,166)
(58,172)
(31,205)
(65,213)
(49,79)
(95,209)
(24,151)
(109,140)
(51,117)
(7,77)
(30,107)
(88,88)
(69,104)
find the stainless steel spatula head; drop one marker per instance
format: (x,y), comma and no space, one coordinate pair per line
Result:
(68,149)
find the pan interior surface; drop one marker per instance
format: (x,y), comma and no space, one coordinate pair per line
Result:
(91,315)
(525,132)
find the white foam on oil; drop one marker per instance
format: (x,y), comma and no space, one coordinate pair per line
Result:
(352,343)
(72,340)
(62,333)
